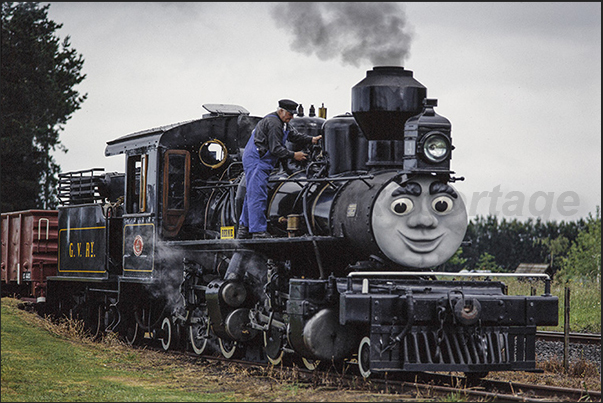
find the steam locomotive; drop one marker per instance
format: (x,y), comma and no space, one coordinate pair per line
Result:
(350,273)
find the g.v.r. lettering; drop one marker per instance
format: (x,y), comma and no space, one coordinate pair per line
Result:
(81,250)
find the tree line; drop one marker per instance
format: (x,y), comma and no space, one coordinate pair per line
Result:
(572,249)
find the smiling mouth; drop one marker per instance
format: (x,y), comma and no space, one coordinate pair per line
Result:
(422,245)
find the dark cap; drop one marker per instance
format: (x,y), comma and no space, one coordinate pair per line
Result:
(288,105)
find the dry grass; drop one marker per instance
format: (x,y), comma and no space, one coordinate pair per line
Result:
(580,369)
(580,375)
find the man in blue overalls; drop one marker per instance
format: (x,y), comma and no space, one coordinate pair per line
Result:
(263,150)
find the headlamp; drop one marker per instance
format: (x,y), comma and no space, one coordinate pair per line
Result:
(436,147)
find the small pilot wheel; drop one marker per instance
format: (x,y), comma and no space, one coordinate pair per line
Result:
(166,338)
(228,348)
(273,346)
(364,357)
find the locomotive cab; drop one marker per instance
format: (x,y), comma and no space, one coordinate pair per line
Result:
(168,171)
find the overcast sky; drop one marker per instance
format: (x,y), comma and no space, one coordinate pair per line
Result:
(520,82)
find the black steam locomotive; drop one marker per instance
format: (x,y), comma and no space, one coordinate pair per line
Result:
(350,274)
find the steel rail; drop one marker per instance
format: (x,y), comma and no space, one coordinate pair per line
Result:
(574,337)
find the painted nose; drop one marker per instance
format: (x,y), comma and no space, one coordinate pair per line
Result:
(423,218)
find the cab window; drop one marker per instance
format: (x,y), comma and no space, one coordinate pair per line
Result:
(136,197)
(176,188)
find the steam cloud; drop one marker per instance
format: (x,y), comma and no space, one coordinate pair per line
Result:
(354,32)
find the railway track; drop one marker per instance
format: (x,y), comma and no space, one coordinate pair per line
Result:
(511,391)
(496,391)
(417,385)
(578,338)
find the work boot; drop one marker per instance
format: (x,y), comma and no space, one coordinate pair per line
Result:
(243,232)
(263,234)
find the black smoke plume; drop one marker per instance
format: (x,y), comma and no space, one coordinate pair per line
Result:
(353,32)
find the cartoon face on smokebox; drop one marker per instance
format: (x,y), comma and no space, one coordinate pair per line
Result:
(420,223)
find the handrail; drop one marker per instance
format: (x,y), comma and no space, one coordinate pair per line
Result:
(445,274)
(546,277)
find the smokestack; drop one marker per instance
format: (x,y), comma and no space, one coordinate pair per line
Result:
(381,104)
(384,100)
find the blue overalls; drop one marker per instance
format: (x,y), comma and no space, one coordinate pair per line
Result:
(257,170)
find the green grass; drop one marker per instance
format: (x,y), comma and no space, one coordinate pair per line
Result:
(38,366)
(46,362)
(585,306)
(585,302)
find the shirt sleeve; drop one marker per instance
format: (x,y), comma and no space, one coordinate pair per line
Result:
(297,137)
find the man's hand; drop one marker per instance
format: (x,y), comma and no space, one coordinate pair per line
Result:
(299,156)
(315,139)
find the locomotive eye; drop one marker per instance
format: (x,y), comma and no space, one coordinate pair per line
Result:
(402,206)
(436,147)
(442,204)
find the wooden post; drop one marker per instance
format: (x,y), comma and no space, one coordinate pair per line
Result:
(566,330)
